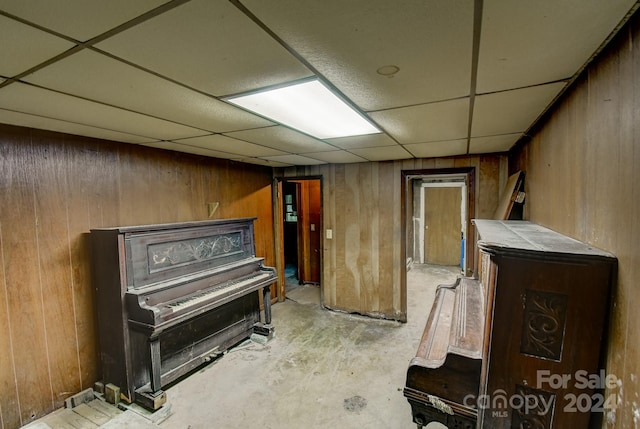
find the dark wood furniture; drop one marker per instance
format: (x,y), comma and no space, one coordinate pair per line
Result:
(514,347)
(171,297)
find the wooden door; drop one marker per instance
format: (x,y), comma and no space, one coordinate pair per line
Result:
(309,231)
(442,224)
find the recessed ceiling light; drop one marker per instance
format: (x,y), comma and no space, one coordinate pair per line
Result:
(388,71)
(309,107)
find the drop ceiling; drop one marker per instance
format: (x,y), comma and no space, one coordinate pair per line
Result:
(438,77)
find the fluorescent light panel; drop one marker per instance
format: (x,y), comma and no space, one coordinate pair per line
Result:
(309,107)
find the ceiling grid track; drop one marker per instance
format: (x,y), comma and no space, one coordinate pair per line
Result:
(307,64)
(475,53)
(469,77)
(89,43)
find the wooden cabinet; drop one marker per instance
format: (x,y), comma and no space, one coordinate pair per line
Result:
(546,309)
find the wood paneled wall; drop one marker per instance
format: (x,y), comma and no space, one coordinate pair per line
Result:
(583,179)
(361,204)
(53,189)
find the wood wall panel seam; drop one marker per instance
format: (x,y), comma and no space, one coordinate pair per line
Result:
(582,180)
(55,188)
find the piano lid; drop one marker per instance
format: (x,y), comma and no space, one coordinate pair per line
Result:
(517,236)
(175,226)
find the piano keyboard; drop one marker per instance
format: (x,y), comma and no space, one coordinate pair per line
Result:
(213,292)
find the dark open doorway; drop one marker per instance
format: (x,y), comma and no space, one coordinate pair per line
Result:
(290,191)
(299,205)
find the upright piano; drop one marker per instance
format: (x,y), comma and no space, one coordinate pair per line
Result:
(521,345)
(171,297)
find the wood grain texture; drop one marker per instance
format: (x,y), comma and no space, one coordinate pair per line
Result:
(315,219)
(9,404)
(309,237)
(329,258)
(442,225)
(78,159)
(385,244)
(488,188)
(24,285)
(363,264)
(583,179)
(53,243)
(54,189)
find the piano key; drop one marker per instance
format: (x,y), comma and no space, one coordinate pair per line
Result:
(214,292)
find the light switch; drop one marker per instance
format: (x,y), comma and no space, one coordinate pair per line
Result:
(313,227)
(329,234)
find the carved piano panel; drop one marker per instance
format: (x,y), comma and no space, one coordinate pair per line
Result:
(171,297)
(550,306)
(545,301)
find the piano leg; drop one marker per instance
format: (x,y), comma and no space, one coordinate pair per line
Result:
(266,329)
(154,348)
(266,292)
(157,397)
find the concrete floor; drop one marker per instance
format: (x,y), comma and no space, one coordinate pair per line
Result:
(322,370)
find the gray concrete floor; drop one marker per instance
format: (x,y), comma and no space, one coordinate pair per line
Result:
(323,369)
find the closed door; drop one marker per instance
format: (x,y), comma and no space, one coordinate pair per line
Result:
(442,224)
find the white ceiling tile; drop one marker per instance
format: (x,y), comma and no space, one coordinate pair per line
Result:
(176,147)
(230,145)
(511,111)
(348,41)
(525,43)
(493,143)
(282,138)
(39,122)
(427,122)
(436,149)
(336,157)
(24,47)
(368,140)
(29,99)
(265,162)
(293,160)
(113,82)
(383,153)
(209,45)
(79,19)
(203,49)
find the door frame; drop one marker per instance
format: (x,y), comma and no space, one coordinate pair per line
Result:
(463,211)
(406,215)
(278,231)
